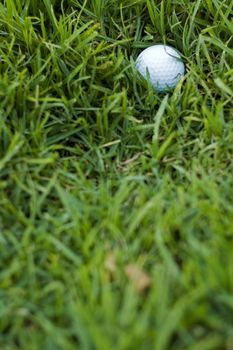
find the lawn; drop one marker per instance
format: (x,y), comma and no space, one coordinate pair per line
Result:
(116,203)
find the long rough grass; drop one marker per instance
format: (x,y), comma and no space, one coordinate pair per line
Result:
(116,204)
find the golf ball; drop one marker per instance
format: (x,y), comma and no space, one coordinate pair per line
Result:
(163,65)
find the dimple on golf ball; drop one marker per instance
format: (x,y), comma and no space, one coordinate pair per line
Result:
(162,64)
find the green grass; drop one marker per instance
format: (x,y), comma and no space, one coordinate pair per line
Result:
(98,174)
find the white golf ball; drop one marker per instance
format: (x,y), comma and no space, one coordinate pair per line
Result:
(163,65)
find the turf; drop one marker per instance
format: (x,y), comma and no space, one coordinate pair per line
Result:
(116,211)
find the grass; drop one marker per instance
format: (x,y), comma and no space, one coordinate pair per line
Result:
(116,213)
